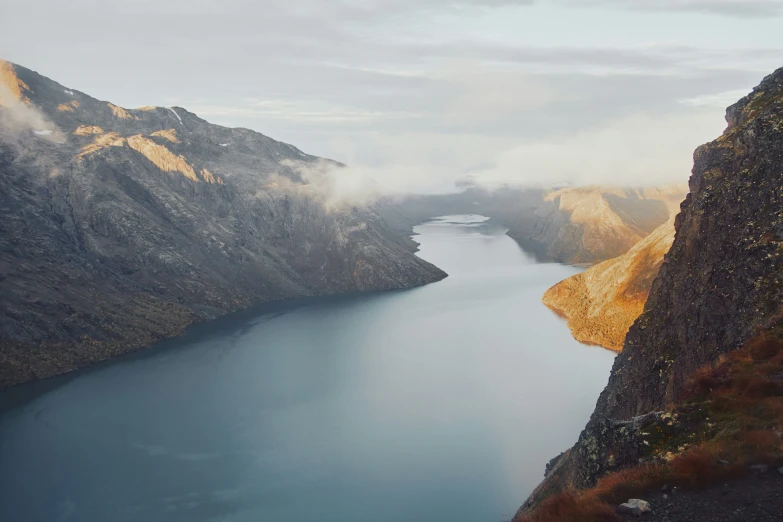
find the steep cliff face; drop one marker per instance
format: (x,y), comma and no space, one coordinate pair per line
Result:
(119,227)
(721,281)
(602,302)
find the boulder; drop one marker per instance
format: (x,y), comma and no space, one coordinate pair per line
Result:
(635,507)
(629,509)
(643,505)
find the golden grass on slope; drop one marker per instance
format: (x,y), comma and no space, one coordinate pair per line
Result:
(85,130)
(111,139)
(162,157)
(210,178)
(12,88)
(739,404)
(68,107)
(603,302)
(169,134)
(147,108)
(120,112)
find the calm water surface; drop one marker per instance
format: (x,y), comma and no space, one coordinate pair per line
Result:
(432,404)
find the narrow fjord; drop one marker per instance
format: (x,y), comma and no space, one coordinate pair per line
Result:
(446,399)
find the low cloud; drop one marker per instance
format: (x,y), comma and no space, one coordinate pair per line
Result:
(337,186)
(638,150)
(736,8)
(23,120)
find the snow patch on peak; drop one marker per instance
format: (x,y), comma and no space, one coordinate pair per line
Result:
(177,115)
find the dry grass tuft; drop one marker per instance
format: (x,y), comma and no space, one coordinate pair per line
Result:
(84,130)
(68,107)
(170,134)
(567,507)
(120,112)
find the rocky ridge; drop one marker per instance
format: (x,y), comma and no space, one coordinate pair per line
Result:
(119,227)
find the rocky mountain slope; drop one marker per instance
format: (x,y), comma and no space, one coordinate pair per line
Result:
(119,227)
(720,284)
(587,225)
(574,225)
(603,302)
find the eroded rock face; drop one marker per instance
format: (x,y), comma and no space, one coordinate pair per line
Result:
(119,227)
(720,282)
(603,302)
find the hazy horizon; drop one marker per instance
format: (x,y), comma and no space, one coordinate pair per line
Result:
(416,96)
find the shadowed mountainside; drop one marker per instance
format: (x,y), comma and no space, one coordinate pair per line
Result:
(119,227)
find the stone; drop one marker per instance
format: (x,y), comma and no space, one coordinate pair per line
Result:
(758,468)
(780,470)
(629,509)
(665,487)
(643,505)
(723,462)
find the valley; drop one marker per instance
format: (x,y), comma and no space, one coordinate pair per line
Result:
(381,405)
(197,323)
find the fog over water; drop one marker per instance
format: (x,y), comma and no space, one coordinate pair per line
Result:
(437,403)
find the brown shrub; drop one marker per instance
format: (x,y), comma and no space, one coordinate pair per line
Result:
(758,388)
(567,507)
(622,485)
(764,347)
(694,467)
(761,439)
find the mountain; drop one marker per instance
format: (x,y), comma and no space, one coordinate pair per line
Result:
(719,291)
(587,225)
(119,227)
(573,225)
(603,302)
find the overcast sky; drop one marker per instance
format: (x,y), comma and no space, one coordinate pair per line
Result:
(419,93)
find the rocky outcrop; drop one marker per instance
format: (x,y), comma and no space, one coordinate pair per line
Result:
(603,302)
(721,281)
(119,227)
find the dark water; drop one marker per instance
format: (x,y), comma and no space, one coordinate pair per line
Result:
(441,403)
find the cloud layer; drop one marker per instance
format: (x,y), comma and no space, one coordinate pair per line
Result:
(417,95)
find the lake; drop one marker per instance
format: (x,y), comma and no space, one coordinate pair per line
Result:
(440,403)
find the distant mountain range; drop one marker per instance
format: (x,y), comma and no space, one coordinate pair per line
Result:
(573,225)
(119,227)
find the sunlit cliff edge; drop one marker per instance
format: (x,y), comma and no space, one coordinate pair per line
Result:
(602,303)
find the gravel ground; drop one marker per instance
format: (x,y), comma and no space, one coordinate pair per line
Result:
(755,498)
